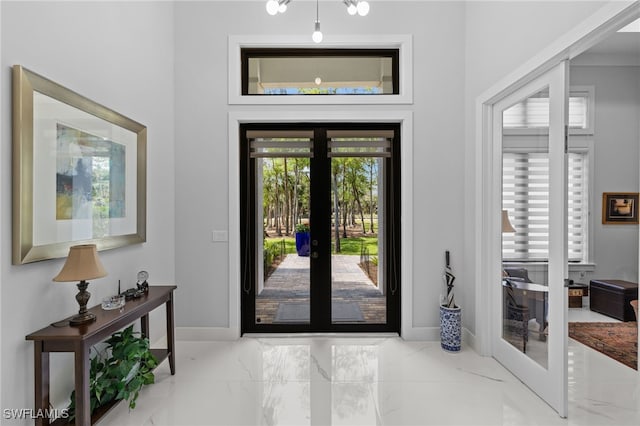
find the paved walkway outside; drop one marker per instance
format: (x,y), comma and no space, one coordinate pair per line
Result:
(290,283)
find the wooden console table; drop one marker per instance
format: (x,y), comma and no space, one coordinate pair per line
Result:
(80,339)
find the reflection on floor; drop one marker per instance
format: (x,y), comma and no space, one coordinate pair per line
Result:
(587,315)
(369,381)
(537,348)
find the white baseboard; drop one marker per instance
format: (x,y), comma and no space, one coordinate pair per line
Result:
(469,339)
(432,334)
(206,333)
(421,333)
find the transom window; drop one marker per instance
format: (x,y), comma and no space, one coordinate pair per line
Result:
(532,115)
(281,71)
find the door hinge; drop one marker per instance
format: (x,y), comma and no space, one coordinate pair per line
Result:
(566,138)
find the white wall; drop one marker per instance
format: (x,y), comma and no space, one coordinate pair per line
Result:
(120,55)
(616,153)
(201,155)
(500,37)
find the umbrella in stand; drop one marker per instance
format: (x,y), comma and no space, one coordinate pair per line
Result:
(449,278)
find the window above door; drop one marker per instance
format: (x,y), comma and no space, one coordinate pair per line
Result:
(355,70)
(313,72)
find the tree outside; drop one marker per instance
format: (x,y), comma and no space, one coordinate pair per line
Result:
(286,202)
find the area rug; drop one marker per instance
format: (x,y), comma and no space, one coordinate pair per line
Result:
(298,312)
(617,340)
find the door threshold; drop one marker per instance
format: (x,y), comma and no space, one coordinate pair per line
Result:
(366,335)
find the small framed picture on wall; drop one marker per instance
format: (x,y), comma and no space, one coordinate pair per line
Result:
(619,207)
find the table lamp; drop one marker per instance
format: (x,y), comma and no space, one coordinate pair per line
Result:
(82,264)
(506,223)
(506,227)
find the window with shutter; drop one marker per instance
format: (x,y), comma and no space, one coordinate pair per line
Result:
(525,196)
(532,115)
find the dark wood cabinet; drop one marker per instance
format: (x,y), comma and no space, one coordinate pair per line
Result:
(613,298)
(80,339)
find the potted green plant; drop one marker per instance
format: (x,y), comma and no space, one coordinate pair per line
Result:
(119,371)
(303,238)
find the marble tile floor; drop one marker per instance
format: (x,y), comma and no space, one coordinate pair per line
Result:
(369,381)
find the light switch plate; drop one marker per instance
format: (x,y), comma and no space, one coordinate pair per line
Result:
(219,236)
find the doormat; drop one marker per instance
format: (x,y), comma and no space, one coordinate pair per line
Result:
(298,312)
(617,340)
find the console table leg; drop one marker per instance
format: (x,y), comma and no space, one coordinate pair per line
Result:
(171,344)
(83,398)
(144,325)
(41,382)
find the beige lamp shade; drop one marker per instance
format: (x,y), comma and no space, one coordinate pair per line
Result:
(82,264)
(506,224)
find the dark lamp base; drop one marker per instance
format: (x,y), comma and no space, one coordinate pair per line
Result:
(82,297)
(82,319)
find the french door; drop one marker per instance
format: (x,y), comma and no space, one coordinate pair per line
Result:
(320,239)
(529,320)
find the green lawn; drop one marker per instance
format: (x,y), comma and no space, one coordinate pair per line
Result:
(354,245)
(348,245)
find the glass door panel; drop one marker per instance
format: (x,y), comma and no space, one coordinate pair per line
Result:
(525,233)
(358,166)
(282,234)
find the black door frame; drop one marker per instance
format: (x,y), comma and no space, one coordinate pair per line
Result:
(320,297)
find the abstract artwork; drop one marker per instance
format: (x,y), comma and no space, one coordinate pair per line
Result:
(90,176)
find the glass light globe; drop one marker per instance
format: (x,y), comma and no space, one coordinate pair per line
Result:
(272,7)
(316,36)
(363,8)
(282,8)
(318,81)
(352,9)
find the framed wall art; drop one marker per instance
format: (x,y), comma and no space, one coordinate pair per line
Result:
(619,207)
(79,172)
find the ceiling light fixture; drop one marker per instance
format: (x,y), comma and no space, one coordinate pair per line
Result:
(363,8)
(354,7)
(277,6)
(317,34)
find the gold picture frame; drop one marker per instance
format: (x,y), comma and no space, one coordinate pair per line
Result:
(619,208)
(79,172)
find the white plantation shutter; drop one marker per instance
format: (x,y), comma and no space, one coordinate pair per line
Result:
(280,144)
(525,196)
(578,207)
(533,113)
